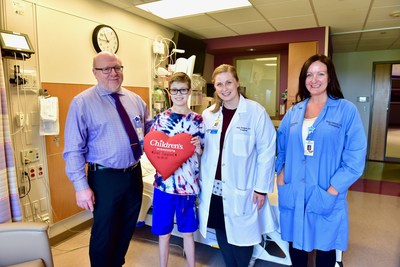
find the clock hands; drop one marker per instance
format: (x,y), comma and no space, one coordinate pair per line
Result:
(105,35)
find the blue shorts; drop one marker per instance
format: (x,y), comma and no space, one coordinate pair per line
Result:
(166,206)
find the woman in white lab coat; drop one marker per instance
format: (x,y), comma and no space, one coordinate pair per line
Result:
(237,170)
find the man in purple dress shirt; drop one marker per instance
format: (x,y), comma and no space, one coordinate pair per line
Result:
(95,136)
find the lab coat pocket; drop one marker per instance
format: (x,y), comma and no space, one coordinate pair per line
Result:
(242,144)
(243,204)
(321,202)
(286,196)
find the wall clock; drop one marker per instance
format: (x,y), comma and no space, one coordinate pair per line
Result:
(104,38)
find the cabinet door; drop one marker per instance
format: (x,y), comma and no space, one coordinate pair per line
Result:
(298,54)
(380,108)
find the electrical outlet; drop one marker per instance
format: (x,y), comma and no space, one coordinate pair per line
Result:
(20,119)
(32,172)
(40,171)
(29,76)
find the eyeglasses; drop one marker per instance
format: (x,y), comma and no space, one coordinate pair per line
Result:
(117,69)
(183,91)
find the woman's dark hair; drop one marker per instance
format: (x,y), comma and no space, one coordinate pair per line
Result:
(333,88)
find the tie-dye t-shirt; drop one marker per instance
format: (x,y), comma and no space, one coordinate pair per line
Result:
(185,180)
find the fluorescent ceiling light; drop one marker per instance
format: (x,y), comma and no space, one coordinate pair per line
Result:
(168,9)
(270,64)
(266,59)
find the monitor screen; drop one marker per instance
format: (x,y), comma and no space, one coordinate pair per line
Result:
(191,46)
(15,42)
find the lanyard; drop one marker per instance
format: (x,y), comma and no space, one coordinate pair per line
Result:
(311,130)
(214,128)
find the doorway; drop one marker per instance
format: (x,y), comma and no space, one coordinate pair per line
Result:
(393,127)
(385,123)
(259,79)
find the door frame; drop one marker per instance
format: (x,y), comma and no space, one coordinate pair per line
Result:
(378,152)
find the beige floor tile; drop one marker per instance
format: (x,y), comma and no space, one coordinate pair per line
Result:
(374,240)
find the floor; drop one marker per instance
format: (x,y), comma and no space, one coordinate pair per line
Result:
(374,210)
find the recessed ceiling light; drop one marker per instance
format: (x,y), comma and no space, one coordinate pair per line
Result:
(168,9)
(395,14)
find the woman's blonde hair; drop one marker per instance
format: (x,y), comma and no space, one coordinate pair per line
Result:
(218,70)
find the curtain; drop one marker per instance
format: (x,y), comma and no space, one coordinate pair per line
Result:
(10,206)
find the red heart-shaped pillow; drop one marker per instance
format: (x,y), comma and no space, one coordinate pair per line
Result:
(166,153)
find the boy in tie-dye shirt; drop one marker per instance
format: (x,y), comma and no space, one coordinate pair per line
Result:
(176,195)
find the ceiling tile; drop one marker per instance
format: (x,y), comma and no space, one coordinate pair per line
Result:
(355,17)
(263,2)
(119,3)
(215,32)
(383,13)
(292,23)
(379,24)
(231,16)
(382,3)
(195,22)
(340,6)
(252,27)
(341,16)
(396,44)
(284,9)
(382,34)
(344,14)
(346,37)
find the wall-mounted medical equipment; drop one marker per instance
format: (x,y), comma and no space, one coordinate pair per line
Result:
(15,45)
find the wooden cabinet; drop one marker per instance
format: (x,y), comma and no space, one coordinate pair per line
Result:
(298,54)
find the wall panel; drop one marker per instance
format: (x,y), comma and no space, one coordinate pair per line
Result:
(61,189)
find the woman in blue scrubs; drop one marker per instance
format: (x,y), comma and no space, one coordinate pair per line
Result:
(321,153)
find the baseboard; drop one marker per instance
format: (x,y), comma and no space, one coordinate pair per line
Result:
(71,226)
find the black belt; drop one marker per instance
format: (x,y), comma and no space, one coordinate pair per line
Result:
(98,167)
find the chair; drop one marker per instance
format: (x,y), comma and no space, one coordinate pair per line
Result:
(25,244)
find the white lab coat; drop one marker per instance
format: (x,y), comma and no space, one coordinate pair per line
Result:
(248,165)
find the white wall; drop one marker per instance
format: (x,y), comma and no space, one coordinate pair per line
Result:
(61,33)
(355,73)
(65,40)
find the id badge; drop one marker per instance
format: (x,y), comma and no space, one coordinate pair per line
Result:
(309,148)
(139,129)
(213,131)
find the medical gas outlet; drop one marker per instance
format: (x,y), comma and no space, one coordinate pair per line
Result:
(29,155)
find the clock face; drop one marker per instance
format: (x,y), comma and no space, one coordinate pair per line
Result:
(105,39)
